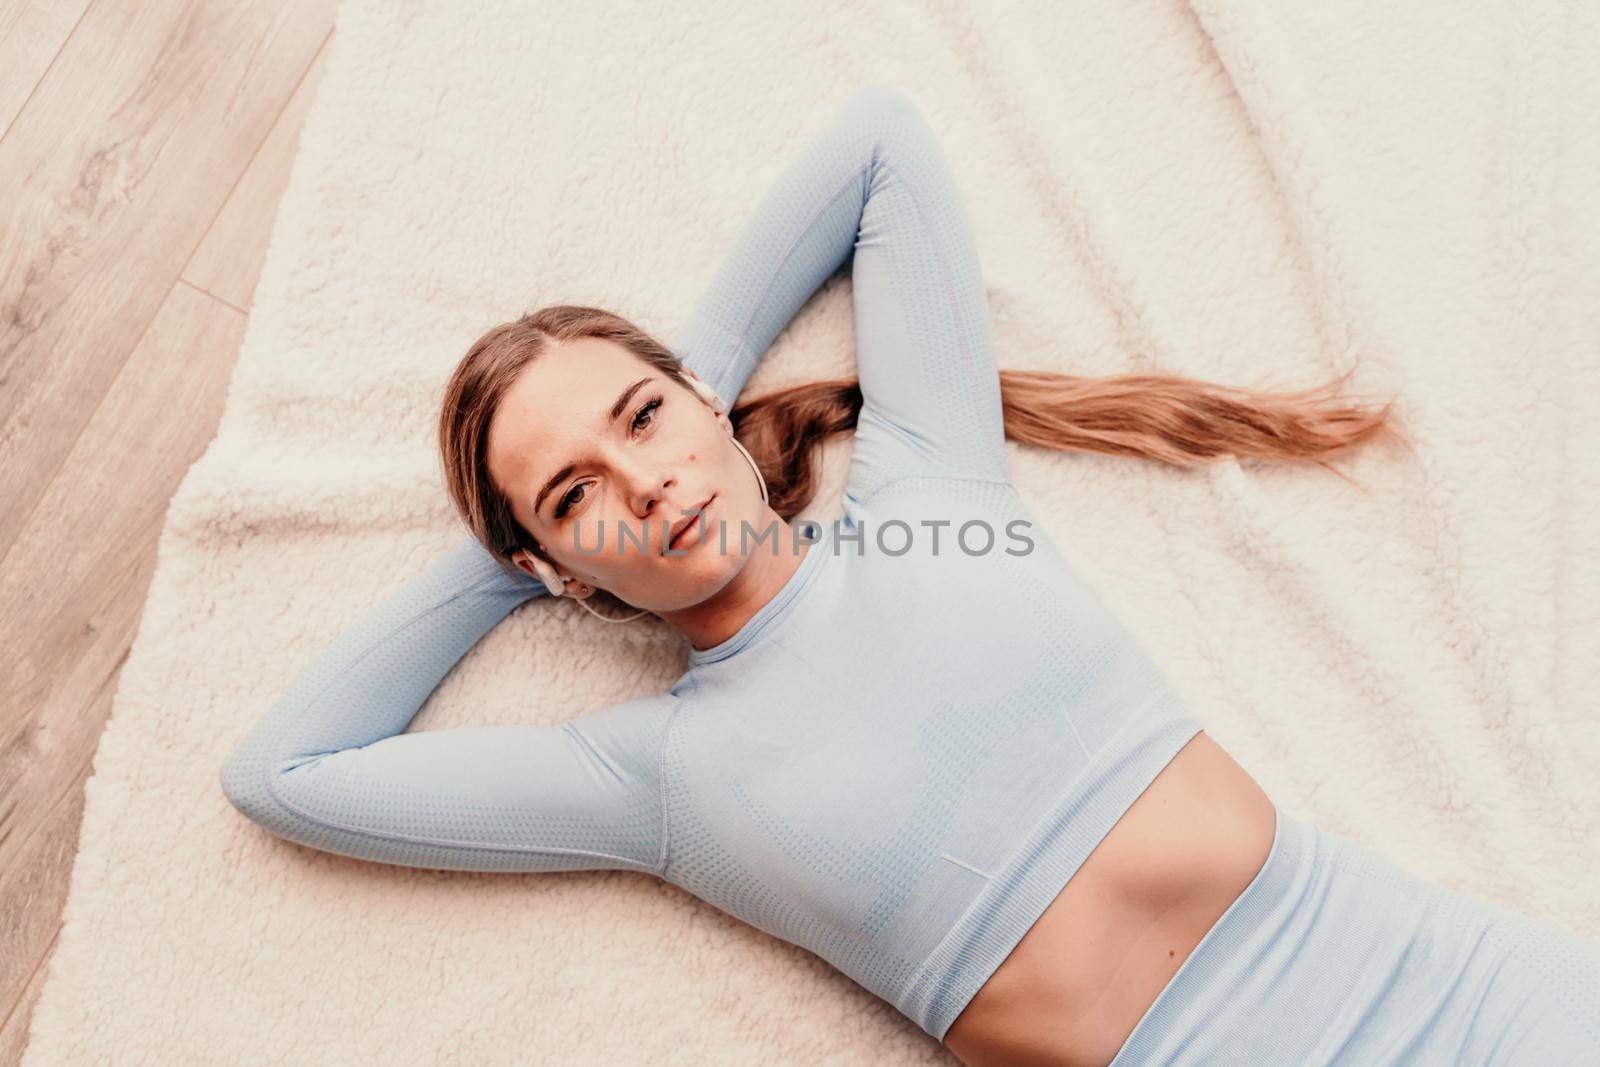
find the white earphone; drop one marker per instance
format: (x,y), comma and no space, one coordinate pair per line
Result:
(546,570)
(547,574)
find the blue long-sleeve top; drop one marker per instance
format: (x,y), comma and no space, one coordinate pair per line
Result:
(899,760)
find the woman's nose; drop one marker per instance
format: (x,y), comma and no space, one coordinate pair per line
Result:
(647,488)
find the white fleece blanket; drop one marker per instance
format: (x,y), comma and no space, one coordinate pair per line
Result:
(1250,192)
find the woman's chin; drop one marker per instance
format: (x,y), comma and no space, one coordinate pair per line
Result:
(695,580)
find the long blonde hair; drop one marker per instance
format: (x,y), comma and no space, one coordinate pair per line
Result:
(1162,417)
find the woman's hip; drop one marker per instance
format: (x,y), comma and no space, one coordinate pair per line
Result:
(1335,955)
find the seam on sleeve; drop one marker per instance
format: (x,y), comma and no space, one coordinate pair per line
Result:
(472,846)
(972,371)
(661,777)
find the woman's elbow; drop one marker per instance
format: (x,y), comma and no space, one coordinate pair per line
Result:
(243,780)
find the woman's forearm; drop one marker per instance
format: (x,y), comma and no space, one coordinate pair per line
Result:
(377,674)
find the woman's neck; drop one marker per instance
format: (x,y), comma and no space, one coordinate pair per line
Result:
(766,570)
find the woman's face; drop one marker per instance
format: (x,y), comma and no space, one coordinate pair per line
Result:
(590,441)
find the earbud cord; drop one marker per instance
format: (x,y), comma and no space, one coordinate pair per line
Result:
(644,611)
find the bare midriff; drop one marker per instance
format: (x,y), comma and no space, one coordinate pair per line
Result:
(1086,972)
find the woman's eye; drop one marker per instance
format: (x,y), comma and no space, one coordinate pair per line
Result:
(645,413)
(569,501)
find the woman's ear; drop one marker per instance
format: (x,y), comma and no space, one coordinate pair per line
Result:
(524,563)
(542,570)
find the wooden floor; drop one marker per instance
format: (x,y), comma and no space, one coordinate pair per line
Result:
(143,150)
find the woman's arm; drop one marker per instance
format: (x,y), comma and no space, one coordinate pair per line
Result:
(872,184)
(328,766)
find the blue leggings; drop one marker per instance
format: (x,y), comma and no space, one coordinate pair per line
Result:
(1334,955)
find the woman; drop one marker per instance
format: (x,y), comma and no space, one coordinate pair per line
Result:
(911,742)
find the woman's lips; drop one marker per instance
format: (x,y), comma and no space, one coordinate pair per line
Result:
(695,520)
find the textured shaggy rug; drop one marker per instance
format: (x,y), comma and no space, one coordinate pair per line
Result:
(1250,192)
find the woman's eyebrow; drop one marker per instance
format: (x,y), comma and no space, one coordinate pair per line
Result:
(611,416)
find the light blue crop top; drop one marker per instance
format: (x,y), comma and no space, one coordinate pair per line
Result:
(898,761)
